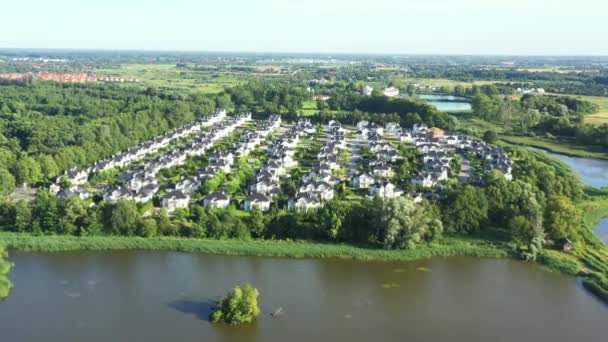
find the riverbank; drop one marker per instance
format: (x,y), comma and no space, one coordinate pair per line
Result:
(557,145)
(444,247)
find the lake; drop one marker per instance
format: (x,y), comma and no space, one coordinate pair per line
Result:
(593,172)
(164,296)
(446,103)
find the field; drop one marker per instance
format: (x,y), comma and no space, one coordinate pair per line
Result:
(600,117)
(169,77)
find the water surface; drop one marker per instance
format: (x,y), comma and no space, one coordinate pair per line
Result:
(163,296)
(593,172)
(446,103)
(601,230)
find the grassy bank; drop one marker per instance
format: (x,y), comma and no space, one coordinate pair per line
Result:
(292,249)
(561,146)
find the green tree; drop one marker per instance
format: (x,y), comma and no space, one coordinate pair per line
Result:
(7,182)
(73,216)
(490,137)
(465,210)
(121,218)
(238,307)
(562,218)
(256,222)
(405,223)
(28,171)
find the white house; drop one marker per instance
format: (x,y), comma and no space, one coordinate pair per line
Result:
(391,92)
(385,189)
(175,199)
(362,181)
(367,91)
(260,201)
(218,199)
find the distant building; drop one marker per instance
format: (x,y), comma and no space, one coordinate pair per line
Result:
(367,91)
(391,92)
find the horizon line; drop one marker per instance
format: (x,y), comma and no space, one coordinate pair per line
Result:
(418,54)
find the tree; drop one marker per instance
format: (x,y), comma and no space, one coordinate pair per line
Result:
(465,210)
(73,216)
(490,137)
(5,267)
(28,171)
(562,218)
(256,222)
(121,218)
(405,224)
(48,166)
(238,307)
(7,182)
(146,228)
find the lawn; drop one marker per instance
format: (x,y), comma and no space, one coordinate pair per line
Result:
(309,108)
(600,117)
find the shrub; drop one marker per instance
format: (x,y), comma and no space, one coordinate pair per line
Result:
(239,306)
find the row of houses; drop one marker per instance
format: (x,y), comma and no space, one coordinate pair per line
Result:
(437,147)
(380,165)
(319,183)
(265,184)
(77,177)
(219,161)
(140,183)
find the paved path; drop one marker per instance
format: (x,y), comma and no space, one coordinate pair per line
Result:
(354,145)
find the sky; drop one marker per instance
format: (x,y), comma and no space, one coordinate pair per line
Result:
(513,27)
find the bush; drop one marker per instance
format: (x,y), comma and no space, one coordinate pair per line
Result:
(239,306)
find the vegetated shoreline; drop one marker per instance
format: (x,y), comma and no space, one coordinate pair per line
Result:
(554,147)
(551,260)
(444,247)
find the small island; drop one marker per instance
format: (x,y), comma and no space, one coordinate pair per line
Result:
(238,307)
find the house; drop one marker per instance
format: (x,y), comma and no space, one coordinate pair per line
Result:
(382,170)
(260,201)
(362,124)
(362,181)
(420,128)
(436,132)
(77,177)
(406,136)
(305,202)
(393,127)
(367,91)
(75,191)
(385,189)
(146,193)
(175,199)
(426,181)
(565,244)
(391,92)
(218,199)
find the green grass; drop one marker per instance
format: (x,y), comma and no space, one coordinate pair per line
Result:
(601,117)
(309,108)
(268,248)
(557,145)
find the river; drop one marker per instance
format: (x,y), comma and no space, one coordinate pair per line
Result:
(165,296)
(593,172)
(447,103)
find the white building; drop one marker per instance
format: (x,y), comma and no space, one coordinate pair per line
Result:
(391,92)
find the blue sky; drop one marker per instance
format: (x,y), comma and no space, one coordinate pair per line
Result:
(554,27)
